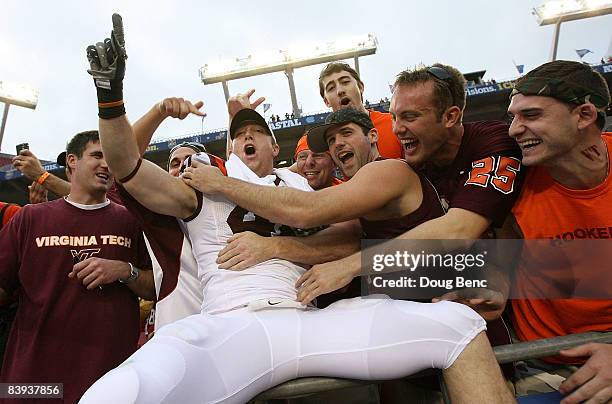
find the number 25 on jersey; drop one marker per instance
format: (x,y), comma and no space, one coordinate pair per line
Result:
(498,171)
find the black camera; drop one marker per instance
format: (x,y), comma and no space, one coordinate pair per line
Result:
(22,146)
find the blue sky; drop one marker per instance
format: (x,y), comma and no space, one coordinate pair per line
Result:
(43,44)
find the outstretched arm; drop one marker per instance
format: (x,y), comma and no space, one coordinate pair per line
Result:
(246,249)
(30,166)
(150,185)
(337,241)
(174,107)
(301,209)
(490,303)
(457,223)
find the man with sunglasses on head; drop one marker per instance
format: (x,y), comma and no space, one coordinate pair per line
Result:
(474,166)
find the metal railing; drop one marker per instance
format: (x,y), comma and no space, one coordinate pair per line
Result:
(504,354)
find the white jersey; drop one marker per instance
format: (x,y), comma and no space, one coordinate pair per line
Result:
(217,220)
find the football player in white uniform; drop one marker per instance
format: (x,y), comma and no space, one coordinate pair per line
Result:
(252,333)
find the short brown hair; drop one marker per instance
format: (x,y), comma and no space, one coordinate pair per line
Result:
(336,67)
(79,142)
(446,93)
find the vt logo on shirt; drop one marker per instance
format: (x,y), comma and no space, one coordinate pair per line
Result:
(82,255)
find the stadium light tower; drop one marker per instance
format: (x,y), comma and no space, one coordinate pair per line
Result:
(299,55)
(15,94)
(558,11)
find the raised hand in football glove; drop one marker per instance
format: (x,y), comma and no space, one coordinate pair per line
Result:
(107,66)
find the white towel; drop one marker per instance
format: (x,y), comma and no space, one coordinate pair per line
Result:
(237,169)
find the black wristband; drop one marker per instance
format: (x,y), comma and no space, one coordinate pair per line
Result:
(132,174)
(110,98)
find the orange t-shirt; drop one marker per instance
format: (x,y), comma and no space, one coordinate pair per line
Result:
(547,210)
(389,145)
(8,211)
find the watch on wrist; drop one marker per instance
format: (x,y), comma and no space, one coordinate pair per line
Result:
(134,273)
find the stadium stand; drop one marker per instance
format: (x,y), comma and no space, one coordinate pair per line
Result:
(5,159)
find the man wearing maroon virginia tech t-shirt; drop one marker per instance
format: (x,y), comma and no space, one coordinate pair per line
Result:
(75,264)
(475,167)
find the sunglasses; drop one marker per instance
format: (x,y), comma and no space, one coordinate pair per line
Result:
(444,76)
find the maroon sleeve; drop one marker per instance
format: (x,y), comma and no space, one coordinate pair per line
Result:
(145,217)
(491,175)
(142,217)
(165,237)
(114,195)
(10,247)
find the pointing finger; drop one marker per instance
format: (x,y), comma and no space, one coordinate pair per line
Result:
(195,108)
(258,102)
(118,30)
